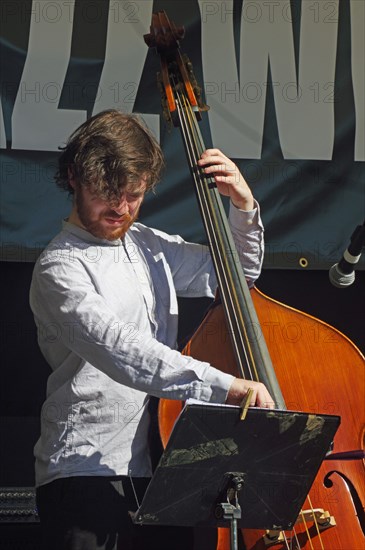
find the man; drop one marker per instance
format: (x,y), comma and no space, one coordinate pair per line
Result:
(104,299)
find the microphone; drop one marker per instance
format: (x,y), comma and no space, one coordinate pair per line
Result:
(342,274)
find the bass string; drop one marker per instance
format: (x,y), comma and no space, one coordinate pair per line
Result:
(194,146)
(227,251)
(315,524)
(194,151)
(251,351)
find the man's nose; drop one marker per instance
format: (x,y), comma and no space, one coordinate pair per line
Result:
(121,205)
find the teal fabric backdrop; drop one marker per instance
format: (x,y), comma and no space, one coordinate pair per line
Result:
(285,85)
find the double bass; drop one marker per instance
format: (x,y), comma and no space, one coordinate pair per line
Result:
(246,333)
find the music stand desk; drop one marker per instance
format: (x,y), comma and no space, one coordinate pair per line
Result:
(222,471)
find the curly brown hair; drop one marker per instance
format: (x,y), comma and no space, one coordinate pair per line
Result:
(108,152)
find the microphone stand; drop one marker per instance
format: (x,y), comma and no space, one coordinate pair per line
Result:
(342,274)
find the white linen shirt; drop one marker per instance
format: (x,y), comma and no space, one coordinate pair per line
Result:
(107,315)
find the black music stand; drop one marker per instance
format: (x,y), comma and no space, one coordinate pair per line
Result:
(222,471)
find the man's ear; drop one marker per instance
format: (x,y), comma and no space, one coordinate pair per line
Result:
(71,179)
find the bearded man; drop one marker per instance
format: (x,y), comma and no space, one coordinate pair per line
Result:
(104,297)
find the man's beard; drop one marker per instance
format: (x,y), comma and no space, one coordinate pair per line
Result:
(96,228)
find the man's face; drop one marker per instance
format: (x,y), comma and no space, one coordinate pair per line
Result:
(107,220)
